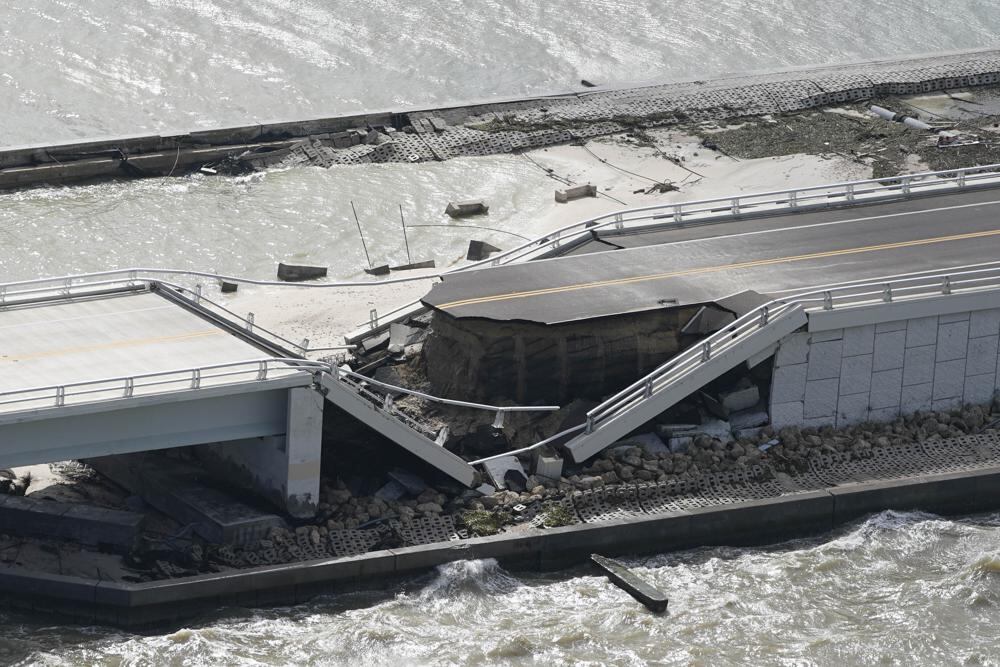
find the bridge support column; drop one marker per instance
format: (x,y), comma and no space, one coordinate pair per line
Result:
(285,469)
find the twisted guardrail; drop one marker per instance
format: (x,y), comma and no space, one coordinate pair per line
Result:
(960,280)
(672,214)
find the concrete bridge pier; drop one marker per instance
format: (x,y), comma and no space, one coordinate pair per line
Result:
(285,469)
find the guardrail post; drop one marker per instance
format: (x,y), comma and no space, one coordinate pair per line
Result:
(373,318)
(647,390)
(793,199)
(250,322)
(678,212)
(262,370)
(197,293)
(387,402)
(196,378)
(736,205)
(60,396)
(67,287)
(765,313)
(618,221)
(706,350)
(906,184)
(129,388)
(590,425)
(961,178)
(827,300)
(304,345)
(887,292)
(3,295)
(849,192)
(131,278)
(946,285)
(498,420)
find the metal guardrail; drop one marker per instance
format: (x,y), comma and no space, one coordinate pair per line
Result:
(893,290)
(160,382)
(672,214)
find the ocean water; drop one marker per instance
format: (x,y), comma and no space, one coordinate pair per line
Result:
(894,589)
(80,68)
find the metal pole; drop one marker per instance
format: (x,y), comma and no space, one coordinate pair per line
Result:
(361,234)
(405,240)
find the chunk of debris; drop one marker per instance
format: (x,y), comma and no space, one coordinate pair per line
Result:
(628,581)
(463,209)
(428,264)
(401,336)
(741,399)
(392,490)
(479,250)
(382,270)
(547,463)
(227,287)
(294,273)
(587,84)
(414,485)
(497,471)
(576,192)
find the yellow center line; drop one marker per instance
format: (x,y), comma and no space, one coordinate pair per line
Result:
(711,269)
(114,345)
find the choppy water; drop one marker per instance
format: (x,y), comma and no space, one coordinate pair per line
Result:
(896,589)
(72,68)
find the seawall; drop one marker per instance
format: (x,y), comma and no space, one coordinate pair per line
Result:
(490,127)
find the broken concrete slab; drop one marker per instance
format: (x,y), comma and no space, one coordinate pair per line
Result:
(717,428)
(463,209)
(740,399)
(708,320)
(391,490)
(479,250)
(382,270)
(401,336)
(115,530)
(427,264)
(755,416)
(413,484)
(713,406)
(651,443)
(548,465)
(294,273)
(576,192)
(497,470)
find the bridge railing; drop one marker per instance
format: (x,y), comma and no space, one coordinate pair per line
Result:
(892,290)
(667,214)
(147,384)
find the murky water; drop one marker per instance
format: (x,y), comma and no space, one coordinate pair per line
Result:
(895,589)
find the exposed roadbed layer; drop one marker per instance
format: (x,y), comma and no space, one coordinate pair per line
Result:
(703,263)
(747,523)
(492,127)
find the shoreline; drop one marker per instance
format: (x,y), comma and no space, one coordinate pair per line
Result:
(749,523)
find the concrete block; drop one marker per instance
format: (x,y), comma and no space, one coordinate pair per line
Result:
(918,365)
(886,388)
(921,331)
(984,323)
(916,397)
(886,327)
(789,383)
(948,318)
(982,355)
(793,350)
(550,467)
(949,379)
(883,414)
(856,374)
(824,360)
(462,209)
(576,192)
(821,398)
(298,273)
(745,419)
(953,340)
(889,348)
(859,340)
(825,336)
(852,409)
(741,399)
(787,414)
(979,389)
(946,404)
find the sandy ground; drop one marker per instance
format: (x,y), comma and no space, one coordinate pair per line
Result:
(621,168)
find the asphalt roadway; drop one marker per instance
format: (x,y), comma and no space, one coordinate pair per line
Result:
(705,262)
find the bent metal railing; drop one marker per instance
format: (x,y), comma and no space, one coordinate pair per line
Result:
(665,215)
(892,290)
